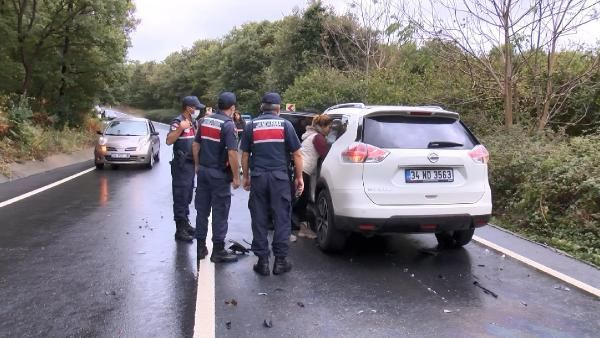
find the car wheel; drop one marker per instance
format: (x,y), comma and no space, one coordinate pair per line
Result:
(99,166)
(157,157)
(454,239)
(150,163)
(328,237)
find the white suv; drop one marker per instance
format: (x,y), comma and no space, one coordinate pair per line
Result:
(401,169)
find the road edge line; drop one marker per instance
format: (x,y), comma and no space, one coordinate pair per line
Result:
(556,274)
(204,319)
(44,188)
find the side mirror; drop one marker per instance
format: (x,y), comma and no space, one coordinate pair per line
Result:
(98,132)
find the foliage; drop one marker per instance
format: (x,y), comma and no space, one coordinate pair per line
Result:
(548,187)
(65,54)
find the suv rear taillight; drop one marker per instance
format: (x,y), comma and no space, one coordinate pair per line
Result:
(479,154)
(364,153)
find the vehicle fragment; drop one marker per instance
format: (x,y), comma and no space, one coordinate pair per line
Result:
(485,290)
(268,323)
(231,302)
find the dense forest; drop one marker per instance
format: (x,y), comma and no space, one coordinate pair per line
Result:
(517,71)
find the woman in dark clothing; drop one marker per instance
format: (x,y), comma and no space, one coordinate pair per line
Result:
(240,124)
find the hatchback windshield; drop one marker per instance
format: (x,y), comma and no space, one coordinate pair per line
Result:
(127,128)
(416,133)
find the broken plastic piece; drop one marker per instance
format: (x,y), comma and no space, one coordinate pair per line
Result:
(268,323)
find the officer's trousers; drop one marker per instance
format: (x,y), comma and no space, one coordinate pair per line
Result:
(182,179)
(270,190)
(212,192)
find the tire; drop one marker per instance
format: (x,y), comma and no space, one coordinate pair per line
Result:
(150,163)
(454,239)
(99,166)
(157,157)
(328,237)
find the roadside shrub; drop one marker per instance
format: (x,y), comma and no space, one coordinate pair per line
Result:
(548,187)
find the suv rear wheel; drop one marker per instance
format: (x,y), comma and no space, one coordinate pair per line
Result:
(454,239)
(329,238)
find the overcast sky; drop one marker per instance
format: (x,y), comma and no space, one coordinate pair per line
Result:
(169,25)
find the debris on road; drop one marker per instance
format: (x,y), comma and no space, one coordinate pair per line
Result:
(481,265)
(232,302)
(485,290)
(360,312)
(263,294)
(268,323)
(523,303)
(561,287)
(300,304)
(228,325)
(447,311)
(238,248)
(141,252)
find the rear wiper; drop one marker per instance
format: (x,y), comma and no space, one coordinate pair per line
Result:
(443,144)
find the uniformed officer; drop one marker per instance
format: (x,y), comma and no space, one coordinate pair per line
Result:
(181,136)
(216,159)
(267,144)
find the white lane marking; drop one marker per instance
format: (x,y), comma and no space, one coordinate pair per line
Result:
(556,274)
(204,323)
(44,188)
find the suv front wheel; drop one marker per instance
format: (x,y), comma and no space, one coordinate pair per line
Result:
(329,238)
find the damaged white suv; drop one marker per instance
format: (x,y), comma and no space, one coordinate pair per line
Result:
(400,169)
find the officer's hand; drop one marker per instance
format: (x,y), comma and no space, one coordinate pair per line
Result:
(299,185)
(185,124)
(247,183)
(236,183)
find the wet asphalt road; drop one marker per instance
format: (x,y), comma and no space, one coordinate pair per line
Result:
(96,257)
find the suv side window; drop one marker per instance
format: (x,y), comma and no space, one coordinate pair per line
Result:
(152,130)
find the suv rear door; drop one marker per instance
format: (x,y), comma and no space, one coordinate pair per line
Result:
(428,161)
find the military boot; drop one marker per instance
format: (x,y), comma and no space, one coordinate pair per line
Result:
(281,266)
(201,250)
(189,228)
(180,233)
(220,255)
(262,266)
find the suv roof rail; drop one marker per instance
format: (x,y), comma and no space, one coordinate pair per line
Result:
(347,105)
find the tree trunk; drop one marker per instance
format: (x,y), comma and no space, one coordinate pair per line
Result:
(544,115)
(508,88)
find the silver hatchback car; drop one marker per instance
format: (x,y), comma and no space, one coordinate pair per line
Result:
(127,141)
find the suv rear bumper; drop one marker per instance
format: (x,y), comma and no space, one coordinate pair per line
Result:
(411,224)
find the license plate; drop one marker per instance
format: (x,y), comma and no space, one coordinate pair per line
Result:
(120,155)
(429,175)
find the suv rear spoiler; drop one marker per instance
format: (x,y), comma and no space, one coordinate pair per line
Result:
(414,112)
(347,105)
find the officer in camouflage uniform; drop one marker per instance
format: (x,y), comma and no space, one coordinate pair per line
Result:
(181,136)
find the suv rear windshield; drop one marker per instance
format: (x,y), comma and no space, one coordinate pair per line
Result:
(417,133)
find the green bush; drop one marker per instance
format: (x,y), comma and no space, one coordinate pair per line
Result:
(548,187)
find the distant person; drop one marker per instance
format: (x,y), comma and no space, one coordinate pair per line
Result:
(181,136)
(216,161)
(267,144)
(314,150)
(240,124)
